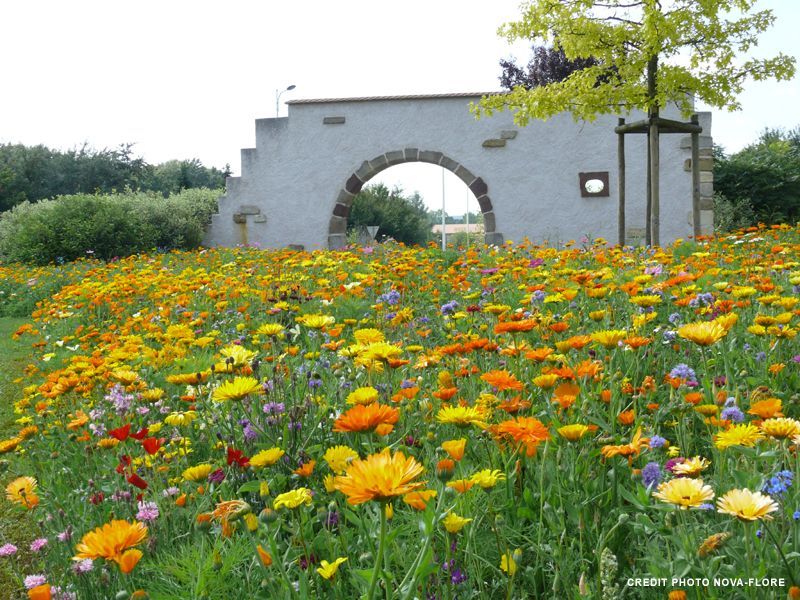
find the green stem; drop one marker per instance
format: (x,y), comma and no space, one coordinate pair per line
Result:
(379,558)
(780,552)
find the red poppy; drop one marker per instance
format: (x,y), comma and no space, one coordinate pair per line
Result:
(140,435)
(124,461)
(238,457)
(121,433)
(151,445)
(134,479)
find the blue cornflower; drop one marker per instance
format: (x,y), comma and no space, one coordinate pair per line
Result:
(651,474)
(733,414)
(657,442)
(674,318)
(391,297)
(448,308)
(796,515)
(683,371)
(777,485)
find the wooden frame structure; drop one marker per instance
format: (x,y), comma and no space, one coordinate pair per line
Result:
(654,126)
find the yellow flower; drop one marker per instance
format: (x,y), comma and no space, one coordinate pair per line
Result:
(691,467)
(462,416)
(378,352)
(236,389)
(266,458)
(609,338)
(745,434)
(712,543)
(703,333)
(380,477)
(23,491)
(293,499)
(113,541)
(316,321)
(546,381)
(328,570)
(573,432)
(746,505)
(178,419)
(239,355)
(487,478)
(270,329)
(453,523)
(197,473)
(153,395)
(781,427)
(362,395)
(508,562)
(419,498)
(338,457)
(646,300)
(684,492)
(10,444)
(368,336)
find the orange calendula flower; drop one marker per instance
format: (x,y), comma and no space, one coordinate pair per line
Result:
(419,499)
(767,408)
(380,477)
(455,448)
(634,448)
(367,417)
(113,541)
(461,485)
(781,428)
(502,380)
(264,556)
(527,431)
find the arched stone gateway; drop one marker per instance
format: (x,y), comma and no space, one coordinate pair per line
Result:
(550,181)
(369,168)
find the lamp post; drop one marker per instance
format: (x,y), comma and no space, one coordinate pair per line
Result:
(278,94)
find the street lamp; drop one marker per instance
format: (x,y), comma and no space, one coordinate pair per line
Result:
(278,94)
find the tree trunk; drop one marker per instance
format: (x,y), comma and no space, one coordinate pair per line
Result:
(652,90)
(621,186)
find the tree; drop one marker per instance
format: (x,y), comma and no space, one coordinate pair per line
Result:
(548,65)
(649,53)
(400,217)
(763,179)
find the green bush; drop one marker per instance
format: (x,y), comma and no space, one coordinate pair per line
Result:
(104,226)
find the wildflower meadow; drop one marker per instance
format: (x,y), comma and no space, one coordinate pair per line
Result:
(391,422)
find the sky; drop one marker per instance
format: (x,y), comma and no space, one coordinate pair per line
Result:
(187,79)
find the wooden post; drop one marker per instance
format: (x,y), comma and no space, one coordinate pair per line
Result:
(654,180)
(621,184)
(696,179)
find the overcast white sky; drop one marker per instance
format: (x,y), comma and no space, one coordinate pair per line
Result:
(187,79)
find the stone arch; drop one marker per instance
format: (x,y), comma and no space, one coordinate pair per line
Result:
(337,228)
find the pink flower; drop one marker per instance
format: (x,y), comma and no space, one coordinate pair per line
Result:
(38,544)
(8,549)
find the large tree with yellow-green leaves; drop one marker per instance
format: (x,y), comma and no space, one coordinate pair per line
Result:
(647,54)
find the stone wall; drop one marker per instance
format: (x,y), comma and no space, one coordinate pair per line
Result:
(298,183)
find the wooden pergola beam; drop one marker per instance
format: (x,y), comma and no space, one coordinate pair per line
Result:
(664,126)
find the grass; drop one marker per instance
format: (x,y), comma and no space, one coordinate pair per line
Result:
(15,526)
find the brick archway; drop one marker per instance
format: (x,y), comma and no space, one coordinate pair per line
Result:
(337,229)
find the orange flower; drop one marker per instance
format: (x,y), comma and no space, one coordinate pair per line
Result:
(40,592)
(455,448)
(129,559)
(539,354)
(626,417)
(502,380)
(264,556)
(112,541)
(693,397)
(515,326)
(306,469)
(380,477)
(367,418)
(445,394)
(461,485)
(634,448)
(766,409)
(419,499)
(524,430)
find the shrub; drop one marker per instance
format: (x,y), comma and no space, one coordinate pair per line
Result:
(104,226)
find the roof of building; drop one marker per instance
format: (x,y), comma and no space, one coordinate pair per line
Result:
(407,97)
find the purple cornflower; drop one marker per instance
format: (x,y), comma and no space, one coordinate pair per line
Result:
(247,429)
(274,408)
(448,308)
(391,297)
(733,414)
(657,442)
(148,511)
(65,535)
(8,549)
(120,400)
(651,475)
(407,383)
(38,544)
(31,581)
(170,491)
(217,476)
(674,318)
(683,371)
(537,296)
(83,566)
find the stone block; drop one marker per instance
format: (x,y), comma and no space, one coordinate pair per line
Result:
(494,143)
(464,174)
(345,198)
(337,241)
(706,177)
(395,157)
(706,222)
(706,189)
(430,156)
(449,164)
(239,218)
(353,185)
(489,221)
(479,188)
(706,203)
(706,164)
(332,120)
(341,210)
(337,225)
(260,219)
(379,163)
(411,153)
(508,134)
(704,141)
(493,239)
(249,209)
(365,171)
(485,203)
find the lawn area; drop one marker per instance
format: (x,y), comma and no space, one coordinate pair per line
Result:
(15,525)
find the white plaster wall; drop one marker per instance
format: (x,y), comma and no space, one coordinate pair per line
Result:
(300,165)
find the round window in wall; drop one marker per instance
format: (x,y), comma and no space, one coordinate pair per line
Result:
(594,186)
